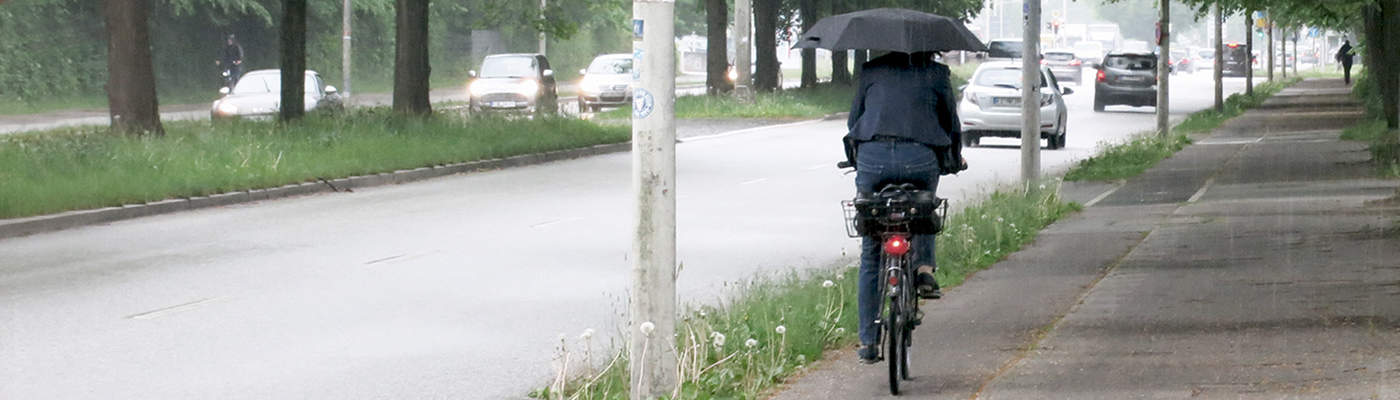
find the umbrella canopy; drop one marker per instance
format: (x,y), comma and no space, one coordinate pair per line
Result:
(892,29)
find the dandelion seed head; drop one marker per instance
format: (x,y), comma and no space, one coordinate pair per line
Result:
(751,343)
(647,328)
(828,284)
(587,334)
(782,330)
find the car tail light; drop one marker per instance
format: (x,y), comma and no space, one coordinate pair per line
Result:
(1044,61)
(1076,63)
(972,98)
(1101,77)
(897,245)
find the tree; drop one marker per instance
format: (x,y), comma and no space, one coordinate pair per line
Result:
(131,83)
(717,47)
(411,67)
(839,71)
(808,11)
(767,76)
(293,65)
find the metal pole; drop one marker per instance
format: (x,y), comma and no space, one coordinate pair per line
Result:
(1219,66)
(1164,60)
(1030,93)
(743,47)
(1270,26)
(346,14)
(544,39)
(653,306)
(1249,52)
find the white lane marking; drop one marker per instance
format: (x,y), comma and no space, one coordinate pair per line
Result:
(1236,141)
(1202,191)
(157,313)
(820,166)
(1105,195)
(555,222)
(754,181)
(380,260)
(748,130)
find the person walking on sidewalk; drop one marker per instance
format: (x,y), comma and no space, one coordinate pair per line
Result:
(903,127)
(1344,56)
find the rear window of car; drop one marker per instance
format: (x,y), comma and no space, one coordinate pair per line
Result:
(1004,49)
(1135,63)
(1059,56)
(1206,54)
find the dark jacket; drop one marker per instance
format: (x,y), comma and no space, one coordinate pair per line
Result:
(1344,54)
(232,52)
(905,99)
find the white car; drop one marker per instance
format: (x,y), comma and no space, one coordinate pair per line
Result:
(258,95)
(991,105)
(606,82)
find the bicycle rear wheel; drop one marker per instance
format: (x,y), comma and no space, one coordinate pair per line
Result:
(894,345)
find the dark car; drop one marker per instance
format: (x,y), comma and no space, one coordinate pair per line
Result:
(514,82)
(1065,65)
(1236,62)
(1126,78)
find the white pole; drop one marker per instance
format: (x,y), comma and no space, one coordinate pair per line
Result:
(346,14)
(1164,60)
(743,46)
(543,38)
(1030,93)
(653,306)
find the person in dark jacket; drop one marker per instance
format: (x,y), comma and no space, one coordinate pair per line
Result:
(1344,56)
(231,57)
(903,127)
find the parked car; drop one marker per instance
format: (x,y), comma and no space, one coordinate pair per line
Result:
(991,105)
(1237,61)
(1202,58)
(606,82)
(258,94)
(514,83)
(1089,51)
(1004,49)
(1126,78)
(1065,65)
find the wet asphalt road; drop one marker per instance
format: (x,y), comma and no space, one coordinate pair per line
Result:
(451,288)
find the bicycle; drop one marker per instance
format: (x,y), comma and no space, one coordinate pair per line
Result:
(894,214)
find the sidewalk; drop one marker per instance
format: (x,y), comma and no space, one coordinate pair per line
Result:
(1253,264)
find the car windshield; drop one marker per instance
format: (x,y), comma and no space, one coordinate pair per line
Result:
(1002,77)
(611,66)
(1004,49)
(267,83)
(1059,56)
(1135,63)
(1206,54)
(508,67)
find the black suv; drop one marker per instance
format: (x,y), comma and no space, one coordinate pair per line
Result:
(514,82)
(1237,61)
(1126,78)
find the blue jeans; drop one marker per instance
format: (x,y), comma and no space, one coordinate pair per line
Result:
(878,164)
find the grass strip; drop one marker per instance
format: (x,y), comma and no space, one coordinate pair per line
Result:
(1133,157)
(85,168)
(1383,143)
(776,327)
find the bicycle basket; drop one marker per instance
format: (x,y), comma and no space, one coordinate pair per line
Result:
(924,215)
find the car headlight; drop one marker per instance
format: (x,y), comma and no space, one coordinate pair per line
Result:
(477,89)
(227,108)
(527,88)
(589,86)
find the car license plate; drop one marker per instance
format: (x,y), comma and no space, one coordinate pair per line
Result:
(502,104)
(1133,79)
(1006,101)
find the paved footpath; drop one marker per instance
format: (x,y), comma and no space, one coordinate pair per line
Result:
(1261,262)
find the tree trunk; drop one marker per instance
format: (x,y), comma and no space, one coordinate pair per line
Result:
(765,40)
(131,82)
(1390,91)
(1249,52)
(293,104)
(411,67)
(717,47)
(840,73)
(861,57)
(808,10)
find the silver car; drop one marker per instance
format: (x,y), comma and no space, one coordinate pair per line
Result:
(606,82)
(258,95)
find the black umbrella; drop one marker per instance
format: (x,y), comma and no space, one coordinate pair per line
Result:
(893,29)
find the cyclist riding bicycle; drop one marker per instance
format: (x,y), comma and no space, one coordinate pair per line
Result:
(903,128)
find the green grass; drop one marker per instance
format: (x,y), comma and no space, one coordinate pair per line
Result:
(816,312)
(1384,144)
(785,104)
(1133,157)
(85,168)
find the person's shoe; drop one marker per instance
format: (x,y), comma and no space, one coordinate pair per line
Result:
(928,284)
(918,318)
(869,354)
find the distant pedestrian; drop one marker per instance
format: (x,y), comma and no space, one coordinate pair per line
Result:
(1344,56)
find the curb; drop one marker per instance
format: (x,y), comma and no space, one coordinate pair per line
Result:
(54,222)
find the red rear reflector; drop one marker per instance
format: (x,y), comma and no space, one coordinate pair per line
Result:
(1101,77)
(894,280)
(1075,63)
(1043,62)
(897,245)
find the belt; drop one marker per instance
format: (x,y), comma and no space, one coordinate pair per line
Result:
(887,138)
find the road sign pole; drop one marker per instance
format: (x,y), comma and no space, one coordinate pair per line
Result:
(653,307)
(544,39)
(743,48)
(1030,93)
(1219,58)
(346,14)
(1164,63)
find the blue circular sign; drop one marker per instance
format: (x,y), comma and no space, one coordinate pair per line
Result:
(642,103)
